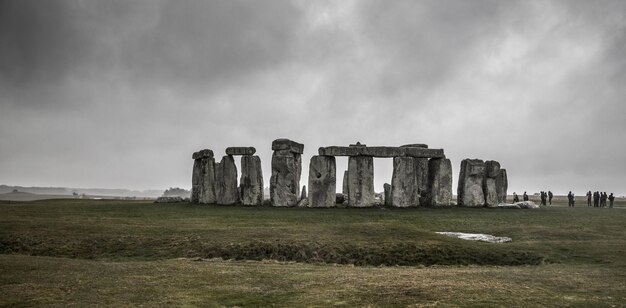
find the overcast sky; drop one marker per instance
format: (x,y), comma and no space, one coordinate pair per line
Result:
(119,94)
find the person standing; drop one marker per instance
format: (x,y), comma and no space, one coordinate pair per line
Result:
(570,199)
(589,198)
(525,196)
(596,199)
(515,198)
(543,197)
(611,199)
(550,195)
(603,199)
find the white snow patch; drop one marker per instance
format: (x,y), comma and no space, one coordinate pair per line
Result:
(477,237)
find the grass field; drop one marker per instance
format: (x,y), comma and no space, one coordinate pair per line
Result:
(120,253)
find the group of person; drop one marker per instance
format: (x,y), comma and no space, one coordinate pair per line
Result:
(599,199)
(516,197)
(545,197)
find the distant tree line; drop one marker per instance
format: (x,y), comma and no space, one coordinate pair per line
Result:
(176,191)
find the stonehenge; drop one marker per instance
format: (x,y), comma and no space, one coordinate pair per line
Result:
(502,185)
(251,182)
(286,170)
(322,181)
(421,177)
(470,187)
(226,178)
(439,182)
(409,183)
(481,183)
(216,183)
(203,177)
(404,189)
(361,181)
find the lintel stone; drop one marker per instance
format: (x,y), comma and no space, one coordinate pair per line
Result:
(381,151)
(206,153)
(286,144)
(240,151)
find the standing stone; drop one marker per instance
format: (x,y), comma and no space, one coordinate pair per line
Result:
(492,170)
(298,161)
(361,181)
(251,183)
(196,176)
(387,192)
(470,188)
(226,177)
(322,181)
(303,194)
(439,182)
(286,170)
(489,190)
(421,165)
(345,188)
(203,177)
(404,189)
(502,185)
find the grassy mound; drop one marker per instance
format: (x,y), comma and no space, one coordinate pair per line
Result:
(340,253)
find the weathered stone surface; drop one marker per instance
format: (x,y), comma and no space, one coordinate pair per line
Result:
(424,153)
(421,165)
(207,187)
(206,153)
(489,190)
(360,181)
(387,193)
(470,187)
(203,178)
(251,183)
(492,169)
(196,178)
(226,178)
(298,161)
(303,193)
(404,190)
(285,179)
(322,181)
(286,144)
(502,185)
(439,182)
(381,151)
(240,151)
(345,183)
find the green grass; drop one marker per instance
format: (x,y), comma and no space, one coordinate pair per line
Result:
(86,252)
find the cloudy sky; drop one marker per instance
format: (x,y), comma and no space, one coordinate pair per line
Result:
(118,94)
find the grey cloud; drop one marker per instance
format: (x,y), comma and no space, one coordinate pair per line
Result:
(40,41)
(121,92)
(200,43)
(195,45)
(424,43)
